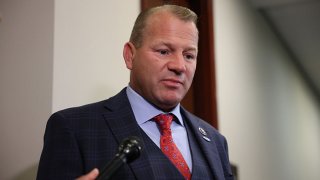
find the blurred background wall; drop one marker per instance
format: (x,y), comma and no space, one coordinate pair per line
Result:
(55,54)
(60,53)
(267,112)
(26,61)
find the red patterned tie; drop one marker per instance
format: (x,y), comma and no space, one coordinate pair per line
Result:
(167,145)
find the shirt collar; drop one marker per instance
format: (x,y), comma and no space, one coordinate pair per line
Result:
(144,111)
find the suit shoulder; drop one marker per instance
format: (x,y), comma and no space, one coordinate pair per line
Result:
(87,108)
(77,114)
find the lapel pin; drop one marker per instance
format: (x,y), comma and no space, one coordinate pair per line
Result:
(206,138)
(202,131)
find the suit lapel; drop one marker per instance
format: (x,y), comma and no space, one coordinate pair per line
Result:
(207,144)
(121,121)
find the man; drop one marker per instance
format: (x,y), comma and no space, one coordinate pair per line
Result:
(162,57)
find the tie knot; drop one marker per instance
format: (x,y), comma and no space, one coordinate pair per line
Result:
(164,121)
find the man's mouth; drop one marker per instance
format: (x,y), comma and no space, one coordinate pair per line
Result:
(170,82)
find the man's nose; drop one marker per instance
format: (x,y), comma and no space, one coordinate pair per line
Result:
(177,64)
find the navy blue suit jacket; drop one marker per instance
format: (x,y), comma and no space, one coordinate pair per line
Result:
(82,138)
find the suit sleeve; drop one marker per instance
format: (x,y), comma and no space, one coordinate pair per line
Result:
(61,157)
(224,155)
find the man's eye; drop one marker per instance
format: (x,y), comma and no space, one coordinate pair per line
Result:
(189,56)
(163,52)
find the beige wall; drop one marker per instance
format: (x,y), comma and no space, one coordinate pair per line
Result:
(89,36)
(26,55)
(55,54)
(266,111)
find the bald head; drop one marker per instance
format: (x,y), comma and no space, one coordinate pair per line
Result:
(140,25)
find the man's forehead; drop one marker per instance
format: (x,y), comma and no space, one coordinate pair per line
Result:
(172,25)
(164,16)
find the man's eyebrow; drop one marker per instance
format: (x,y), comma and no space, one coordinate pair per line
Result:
(161,43)
(191,48)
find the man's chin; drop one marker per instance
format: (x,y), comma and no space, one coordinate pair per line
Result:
(169,104)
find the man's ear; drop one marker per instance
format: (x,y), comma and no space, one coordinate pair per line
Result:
(129,51)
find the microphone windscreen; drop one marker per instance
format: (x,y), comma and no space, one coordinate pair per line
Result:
(131,147)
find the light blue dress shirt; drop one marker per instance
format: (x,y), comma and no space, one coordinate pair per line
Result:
(144,112)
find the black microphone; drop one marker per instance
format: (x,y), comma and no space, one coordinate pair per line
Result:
(128,151)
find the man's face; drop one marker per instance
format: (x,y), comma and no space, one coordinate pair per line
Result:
(163,67)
